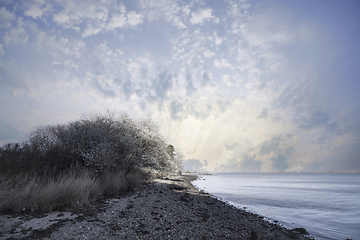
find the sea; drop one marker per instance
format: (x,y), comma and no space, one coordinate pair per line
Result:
(327,205)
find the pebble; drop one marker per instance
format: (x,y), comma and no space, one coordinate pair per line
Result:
(171,208)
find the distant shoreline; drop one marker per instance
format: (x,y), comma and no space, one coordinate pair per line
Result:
(216,173)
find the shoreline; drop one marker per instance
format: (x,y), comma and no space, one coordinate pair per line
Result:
(167,208)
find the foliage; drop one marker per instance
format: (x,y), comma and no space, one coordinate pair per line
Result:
(70,165)
(98,143)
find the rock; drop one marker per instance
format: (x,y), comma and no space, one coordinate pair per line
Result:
(163,209)
(300,230)
(253,235)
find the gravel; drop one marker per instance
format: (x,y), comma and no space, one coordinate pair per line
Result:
(169,208)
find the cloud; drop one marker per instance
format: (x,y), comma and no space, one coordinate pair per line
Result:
(75,13)
(201,16)
(218,40)
(288,151)
(117,21)
(302,102)
(232,165)
(106,57)
(134,18)
(249,164)
(198,110)
(91,30)
(70,63)
(12,80)
(268,147)
(101,84)
(239,159)
(298,94)
(194,165)
(276,152)
(161,85)
(103,89)
(9,133)
(263,114)
(222,63)
(279,162)
(222,105)
(226,80)
(190,89)
(206,77)
(96,16)
(61,18)
(1,50)
(16,35)
(317,118)
(35,9)
(176,110)
(245,59)
(245,77)
(339,155)
(208,53)
(258,49)
(56,45)
(351,122)
(268,27)
(167,10)
(6,15)
(128,88)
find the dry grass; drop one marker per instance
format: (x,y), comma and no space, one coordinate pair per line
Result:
(25,194)
(76,190)
(114,182)
(71,166)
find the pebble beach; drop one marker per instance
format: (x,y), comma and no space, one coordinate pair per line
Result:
(168,208)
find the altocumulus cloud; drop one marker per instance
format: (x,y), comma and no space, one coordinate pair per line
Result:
(251,85)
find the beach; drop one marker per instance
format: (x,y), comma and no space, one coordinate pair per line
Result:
(167,208)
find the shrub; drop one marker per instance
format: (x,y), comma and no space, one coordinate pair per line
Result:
(97,143)
(71,165)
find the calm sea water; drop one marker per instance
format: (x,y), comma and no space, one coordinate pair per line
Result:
(326,204)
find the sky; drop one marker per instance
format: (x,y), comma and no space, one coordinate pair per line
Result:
(235,85)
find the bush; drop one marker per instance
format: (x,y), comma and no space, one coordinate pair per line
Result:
(97,143)
(70,165)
